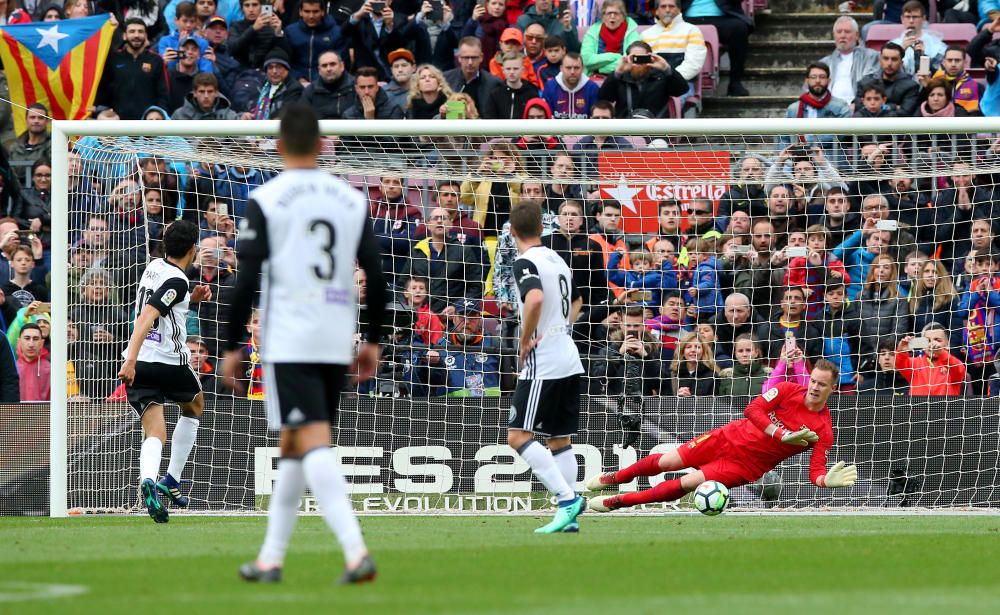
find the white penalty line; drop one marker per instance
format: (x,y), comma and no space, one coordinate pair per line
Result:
(21,591)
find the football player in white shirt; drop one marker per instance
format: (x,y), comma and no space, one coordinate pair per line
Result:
(546,401)
(157,366)
(304,230)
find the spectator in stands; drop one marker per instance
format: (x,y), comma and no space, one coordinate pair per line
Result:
(156,221)
(33,210)
(789,323)
(210,268)
(180,77)
(35,143)
(857,259)
(455,270)
(734,31)
(370,101)
(843,342)
(607,233)
(403,66)
(884,379)
(570,94)
(332,94)
(607,42)
(102,323)
(693,371)
(704,291)
(934,299)
(883,311)
(875,104)
(509,100)
(205,102)
(76,9)
(169,47)
(736,319)
(464,228)
(641,81)
(469,77)
(580,252)
(978,310)
(492,198)
(395,223)
(468,364)
(681,44)
(443,31)
(900,87)
(227,67)
(630,362)
(701,219)
(560,24)
(747,192)
(851,61)
(534,49)
(644,280)
(565,181)
(589,147)
(487,23)
(747,375)
(20,288)
(668,220)
(816,270)
(938,103)
(671,323)
(818,102)
(955,208)
(760,279)
(917,41)
(935,371)
(914,265)
(33,369)
(279,90)
(202,365)
(134,77)
(427,327)
(428,94)
(965,91)
(316,32)
(549,66)
(255,36)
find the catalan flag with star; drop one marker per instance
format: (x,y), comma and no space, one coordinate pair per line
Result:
(56,63)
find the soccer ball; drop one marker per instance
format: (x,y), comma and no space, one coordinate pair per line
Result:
(711,497)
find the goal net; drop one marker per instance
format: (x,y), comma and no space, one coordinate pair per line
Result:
(714,262)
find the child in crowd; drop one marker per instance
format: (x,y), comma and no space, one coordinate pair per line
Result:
(643,282)
(885,378)
(747,375)
(704,290)
(979,311)
(21,287)
(427,327)
(671,324)
(810,272)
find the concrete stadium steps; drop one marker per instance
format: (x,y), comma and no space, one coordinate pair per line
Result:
(746,106)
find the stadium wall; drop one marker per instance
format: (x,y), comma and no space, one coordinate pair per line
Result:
(418,456)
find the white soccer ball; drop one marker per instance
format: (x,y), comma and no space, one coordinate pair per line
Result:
(711,497)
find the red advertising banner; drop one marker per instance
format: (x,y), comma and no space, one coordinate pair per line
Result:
(683,176)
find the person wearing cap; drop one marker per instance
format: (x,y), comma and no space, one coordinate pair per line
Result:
(605,43)
(455,269)
(403,64)
(228,9)
(648,86)
(375,34)
(512,42)
(333,93)
(180,77)
(561,23)
(314,33)
(252,38)
(466,364)
(216,32)
(134,77)
(279,90)
(185,24)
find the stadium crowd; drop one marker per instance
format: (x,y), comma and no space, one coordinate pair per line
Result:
(821,247)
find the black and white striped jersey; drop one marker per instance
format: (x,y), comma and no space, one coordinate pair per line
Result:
(555,355)
(164,286)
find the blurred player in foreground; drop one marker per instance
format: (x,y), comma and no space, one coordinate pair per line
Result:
(781,422)
(309,227)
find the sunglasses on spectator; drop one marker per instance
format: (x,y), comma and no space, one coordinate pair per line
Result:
(699,212)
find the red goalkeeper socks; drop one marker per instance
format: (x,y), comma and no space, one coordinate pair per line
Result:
(647,466)
(667,491)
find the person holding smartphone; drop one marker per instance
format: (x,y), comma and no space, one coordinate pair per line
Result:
(642,80)
(918,41)
(929,367)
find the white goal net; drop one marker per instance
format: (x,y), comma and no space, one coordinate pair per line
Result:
(715,258)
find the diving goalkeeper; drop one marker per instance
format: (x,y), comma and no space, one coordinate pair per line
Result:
(782,422)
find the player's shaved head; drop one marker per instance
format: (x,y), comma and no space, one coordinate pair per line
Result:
(299,131)
(526,220)
(179,238)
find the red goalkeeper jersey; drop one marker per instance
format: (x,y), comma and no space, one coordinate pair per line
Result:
(784,407)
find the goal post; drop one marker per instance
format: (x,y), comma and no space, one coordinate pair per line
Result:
(451,446)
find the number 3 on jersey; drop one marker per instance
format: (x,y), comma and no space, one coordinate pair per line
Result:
(318,227)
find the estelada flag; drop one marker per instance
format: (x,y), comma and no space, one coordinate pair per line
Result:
(56,63)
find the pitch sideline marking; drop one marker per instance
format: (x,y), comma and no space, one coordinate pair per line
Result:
(19,591)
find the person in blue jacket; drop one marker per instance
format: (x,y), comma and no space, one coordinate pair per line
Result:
(643,276)
(313,34)
(704,291)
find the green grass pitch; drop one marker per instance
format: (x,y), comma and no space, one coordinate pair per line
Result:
(617,565)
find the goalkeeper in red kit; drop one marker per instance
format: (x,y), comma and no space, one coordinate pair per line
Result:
(782,422)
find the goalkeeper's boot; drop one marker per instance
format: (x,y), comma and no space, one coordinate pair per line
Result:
(151,500)
(601,482)
(572,528)
(171,487)
(253,572)
(362,573)
(606,503)
(565,515)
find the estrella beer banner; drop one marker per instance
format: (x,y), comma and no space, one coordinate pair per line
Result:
(640,179)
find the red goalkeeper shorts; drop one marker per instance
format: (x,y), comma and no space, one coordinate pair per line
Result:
(715,456)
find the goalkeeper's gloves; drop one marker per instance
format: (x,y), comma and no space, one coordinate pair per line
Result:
(839,475)
(802,437)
